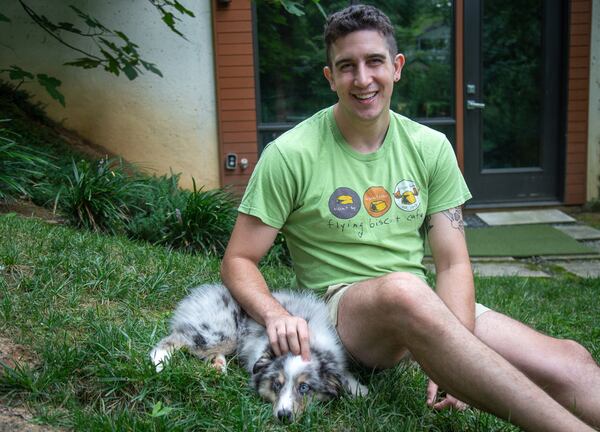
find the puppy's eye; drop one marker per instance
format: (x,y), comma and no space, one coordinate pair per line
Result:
(303,388)
(276,386)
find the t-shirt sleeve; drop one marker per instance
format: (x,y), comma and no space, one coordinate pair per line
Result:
(447,187)
(271,190)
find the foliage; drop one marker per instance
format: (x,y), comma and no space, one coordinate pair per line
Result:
(114,51)
(98,194)
(20,167)
(292,93)
(204,223)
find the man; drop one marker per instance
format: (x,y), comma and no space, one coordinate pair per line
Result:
(354,189)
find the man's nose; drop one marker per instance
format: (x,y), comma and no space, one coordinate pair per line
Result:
(362,78)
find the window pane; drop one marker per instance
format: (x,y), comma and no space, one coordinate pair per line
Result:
(292,56)
(512,85)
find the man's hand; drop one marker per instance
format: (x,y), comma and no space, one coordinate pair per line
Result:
(288,333)
(447,401)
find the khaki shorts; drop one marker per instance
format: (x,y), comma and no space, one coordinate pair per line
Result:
(335,292)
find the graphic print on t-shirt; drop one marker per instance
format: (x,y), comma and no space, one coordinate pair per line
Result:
(377,201)
(406,195)
(344,203)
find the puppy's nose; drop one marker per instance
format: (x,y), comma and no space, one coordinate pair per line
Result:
(285,416)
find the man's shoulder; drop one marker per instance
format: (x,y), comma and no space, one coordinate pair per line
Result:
(415,129)
(306,136)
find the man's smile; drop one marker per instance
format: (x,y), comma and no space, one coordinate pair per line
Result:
(365,96)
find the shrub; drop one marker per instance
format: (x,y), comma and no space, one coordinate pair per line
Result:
(20,167)
(98,195)
(204,223)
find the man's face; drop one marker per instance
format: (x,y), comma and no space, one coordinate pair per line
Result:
(363,75)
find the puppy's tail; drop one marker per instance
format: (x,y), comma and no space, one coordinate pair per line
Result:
(161,353)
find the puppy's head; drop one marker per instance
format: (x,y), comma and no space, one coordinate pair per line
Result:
(290,383)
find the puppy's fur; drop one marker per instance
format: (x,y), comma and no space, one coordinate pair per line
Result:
(211,324)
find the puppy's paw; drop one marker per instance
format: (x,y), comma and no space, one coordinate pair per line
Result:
(219,363)
(159,358)
(355,388)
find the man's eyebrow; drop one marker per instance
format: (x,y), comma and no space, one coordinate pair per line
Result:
(369,57)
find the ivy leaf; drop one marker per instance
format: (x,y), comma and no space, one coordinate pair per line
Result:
(69,27)
(84,62)
(130,71)
(51,85)
(292,7)
(152,68)
(182,9)
(4,18)
(18,74)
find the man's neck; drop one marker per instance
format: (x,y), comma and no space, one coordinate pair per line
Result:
(362,136)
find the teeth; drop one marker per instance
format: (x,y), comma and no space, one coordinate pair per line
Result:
(365,96)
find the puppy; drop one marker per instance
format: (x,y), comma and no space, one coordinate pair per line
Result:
(211,325)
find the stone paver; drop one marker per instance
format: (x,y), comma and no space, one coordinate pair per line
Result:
(525,217)
(581,268)
(506,269)
(579,232)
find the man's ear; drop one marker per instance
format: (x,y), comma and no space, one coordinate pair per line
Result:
(329,76)
(398,65)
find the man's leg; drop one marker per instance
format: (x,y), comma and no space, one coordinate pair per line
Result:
(381,319)
(563,368)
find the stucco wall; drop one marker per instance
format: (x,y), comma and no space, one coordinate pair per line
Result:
(593,183)
(162,124)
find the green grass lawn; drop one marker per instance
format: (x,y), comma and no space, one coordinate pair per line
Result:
(89,307)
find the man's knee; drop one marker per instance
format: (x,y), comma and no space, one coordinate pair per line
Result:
(572,366)
(401,293)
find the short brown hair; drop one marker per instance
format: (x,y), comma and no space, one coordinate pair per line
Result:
(355,18)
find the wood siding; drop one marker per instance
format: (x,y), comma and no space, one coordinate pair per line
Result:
(236,98)
(577,101)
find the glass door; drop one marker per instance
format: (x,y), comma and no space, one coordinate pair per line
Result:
(512,93)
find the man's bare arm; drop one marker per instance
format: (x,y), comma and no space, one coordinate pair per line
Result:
(250,241)
(454,280)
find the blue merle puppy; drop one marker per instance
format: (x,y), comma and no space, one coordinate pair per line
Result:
(211,324)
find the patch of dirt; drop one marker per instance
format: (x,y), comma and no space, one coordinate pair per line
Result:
(29,209)
(15,419)
(12,353)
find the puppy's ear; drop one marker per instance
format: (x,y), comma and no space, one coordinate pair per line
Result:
(334,383)
(263,361)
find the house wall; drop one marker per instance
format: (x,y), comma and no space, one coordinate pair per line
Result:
(577,103)
(593,175)
(236,93)
(161,124)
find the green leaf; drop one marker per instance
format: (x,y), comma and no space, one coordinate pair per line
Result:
(51,85)
(318,5)
(292,7)
(84,62)
(69,27)
(130,71)
(182,9)
(4,18)
(18,74)
(152,68)
(158,410)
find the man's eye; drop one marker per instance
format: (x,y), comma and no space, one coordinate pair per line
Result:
(303,388)
(276,386)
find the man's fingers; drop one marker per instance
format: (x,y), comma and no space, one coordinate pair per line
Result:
(282,339)
(304,340)
(452,403)
(274,340)
(432,389)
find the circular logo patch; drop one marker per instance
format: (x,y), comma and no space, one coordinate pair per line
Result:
(344,203)
(377,201)
(406,195)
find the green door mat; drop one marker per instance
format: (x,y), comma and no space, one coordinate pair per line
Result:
(521,241)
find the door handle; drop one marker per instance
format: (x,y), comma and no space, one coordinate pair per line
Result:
(471,105)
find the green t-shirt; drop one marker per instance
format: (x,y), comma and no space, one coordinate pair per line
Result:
(348,216)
